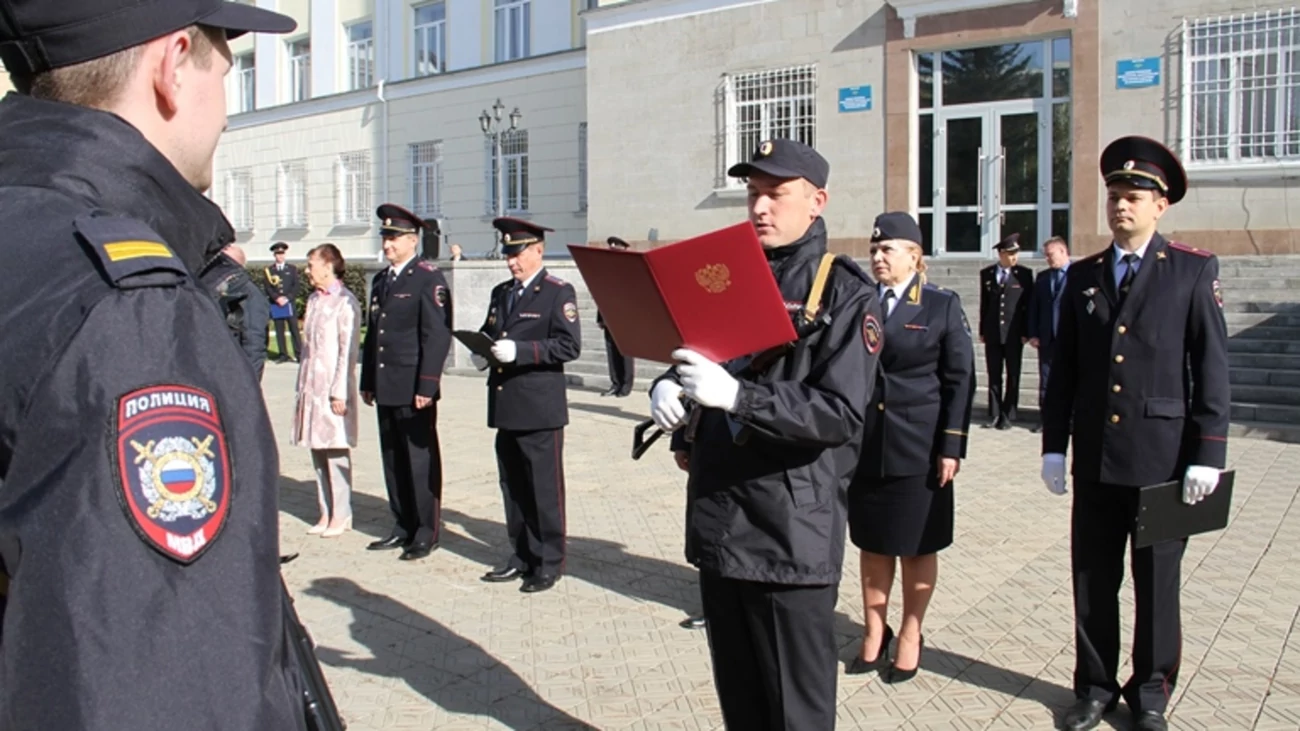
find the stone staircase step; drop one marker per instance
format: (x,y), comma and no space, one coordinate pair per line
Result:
(1265,412)
(1263,377)
(1263,361)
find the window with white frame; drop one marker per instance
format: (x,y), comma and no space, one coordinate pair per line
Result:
(514,158)
(763,105)
(361,55)
(299,69)
(352,188)
(239,198)
(582,166)
(1242,88)
(245,82)
(426,178)
(514,25)
(291,194)
(430,39)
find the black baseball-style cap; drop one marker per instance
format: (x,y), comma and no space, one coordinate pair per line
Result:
(896,225)
(39,35)
(785,159)
(1144,163)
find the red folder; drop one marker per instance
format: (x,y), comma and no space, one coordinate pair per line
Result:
(713,293)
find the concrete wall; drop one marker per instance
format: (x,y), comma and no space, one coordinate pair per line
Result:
(549,92)
(654,115)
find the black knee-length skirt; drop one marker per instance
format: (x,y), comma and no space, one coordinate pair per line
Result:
(901,516)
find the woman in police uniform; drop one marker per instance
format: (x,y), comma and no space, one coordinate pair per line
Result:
(900,500)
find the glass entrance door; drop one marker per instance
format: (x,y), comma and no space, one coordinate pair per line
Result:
(993,178)
(994,133)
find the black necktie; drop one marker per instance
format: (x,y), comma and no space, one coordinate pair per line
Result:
(889,298)
(513,300)
(1130,261)
(1056,282)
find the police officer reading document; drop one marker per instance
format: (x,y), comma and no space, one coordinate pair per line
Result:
(138,511)
(1141,369)
(771,458)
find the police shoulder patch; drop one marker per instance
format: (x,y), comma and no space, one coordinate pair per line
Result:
(1218,293)
(440,295)
(173,468)
(127,248)
(571,311)
(871,333)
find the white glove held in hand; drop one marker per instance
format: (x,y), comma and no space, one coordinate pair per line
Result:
(1199,483)
(706,382)
(504,351)
(479,361)
(666,406)
(1054,473)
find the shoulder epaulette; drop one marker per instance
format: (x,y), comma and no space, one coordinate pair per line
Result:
(1190,249)
(427,265)
(1094,257)
(555,280)
(129,252)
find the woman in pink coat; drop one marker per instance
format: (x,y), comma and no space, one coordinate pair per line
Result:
(325,418)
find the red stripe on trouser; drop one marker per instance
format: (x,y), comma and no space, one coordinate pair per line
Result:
(435,469)
(559,488)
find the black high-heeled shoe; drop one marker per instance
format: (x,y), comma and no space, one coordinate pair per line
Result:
(894,674)
(859,666)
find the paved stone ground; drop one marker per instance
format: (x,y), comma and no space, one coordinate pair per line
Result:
(425,644)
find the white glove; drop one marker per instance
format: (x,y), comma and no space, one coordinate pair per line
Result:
(1054,473)
(479,361)
(1199,483)
(504,351)
(666,405)
(706,382)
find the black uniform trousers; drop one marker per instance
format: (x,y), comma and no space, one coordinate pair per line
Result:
(531,466)
(1044,370)
(772,667)
(1101,526)
(1003,403)
(290,324)
(621,367)
(408,441)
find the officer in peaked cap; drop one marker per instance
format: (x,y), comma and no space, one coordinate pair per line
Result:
(773,447)
(533,319)
(127,570)
(1005,291)
(1146,403)
(622,369)
(407,340)
(280,281)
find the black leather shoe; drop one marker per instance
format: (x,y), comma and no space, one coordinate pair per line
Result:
(1150,721)
(693,623)
(387,544)
(858,666)
(538,582)
(1003,424)
(991,423)
(1036,428)
(894,674)
(506,573)
(609,391)
(417,550)
(1083,715)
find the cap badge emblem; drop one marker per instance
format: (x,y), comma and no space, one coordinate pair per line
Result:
(1129,165)
(765,149)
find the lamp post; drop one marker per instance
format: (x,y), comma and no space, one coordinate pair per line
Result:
(492,123)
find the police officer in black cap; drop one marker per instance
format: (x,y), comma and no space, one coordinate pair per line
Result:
(281,282)
(772,455)
(242,303)
(533,317)
(622,369)
(1140,378)
(138,517)
(407,341)
(1005,292)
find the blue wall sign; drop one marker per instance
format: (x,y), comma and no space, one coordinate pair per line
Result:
(855,99)
(1136,73)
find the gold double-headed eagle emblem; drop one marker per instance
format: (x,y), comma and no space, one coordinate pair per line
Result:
(714,278)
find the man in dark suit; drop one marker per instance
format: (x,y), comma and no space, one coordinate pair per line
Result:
(281,288)
(622,369)
(1044,309)
(1005,291)
(533,317)
(1140,376)
(407,340)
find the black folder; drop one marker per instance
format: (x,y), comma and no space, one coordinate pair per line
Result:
(478,343)
(1163,516)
